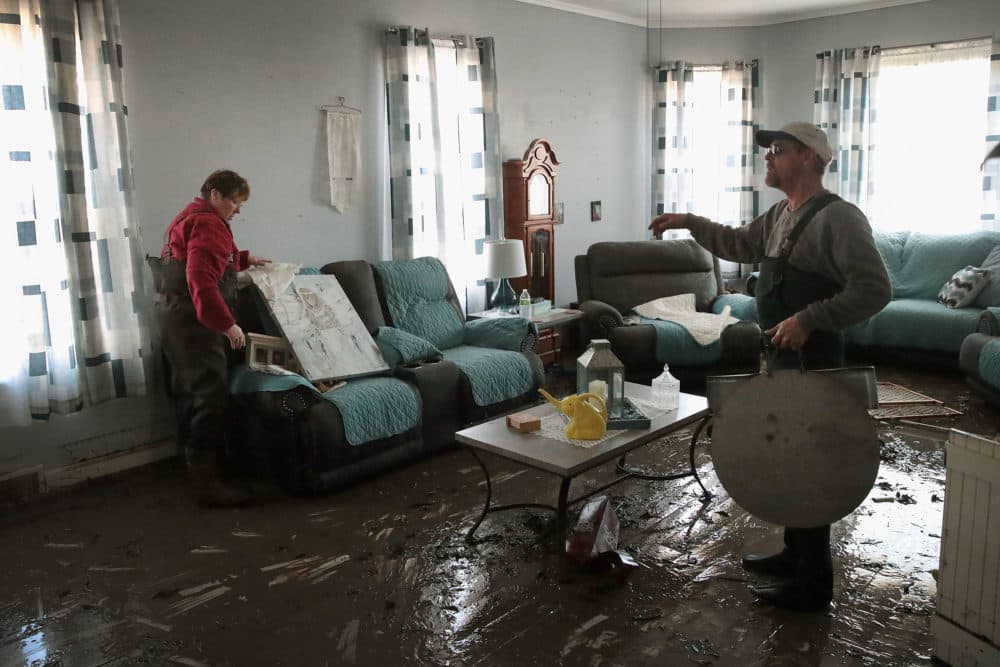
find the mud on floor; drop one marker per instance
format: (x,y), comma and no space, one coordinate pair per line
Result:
(127,571)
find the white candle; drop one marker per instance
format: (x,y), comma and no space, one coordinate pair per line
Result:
(599,387)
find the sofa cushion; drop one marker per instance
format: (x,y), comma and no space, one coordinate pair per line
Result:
(371,408)
(494,375)
(916,323)
(742,307)
(963,287)
(926,261)
(990,296)
(418,296)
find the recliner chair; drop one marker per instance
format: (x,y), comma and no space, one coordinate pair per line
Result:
(614,277)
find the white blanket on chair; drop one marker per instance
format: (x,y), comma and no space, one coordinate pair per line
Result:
(705,328)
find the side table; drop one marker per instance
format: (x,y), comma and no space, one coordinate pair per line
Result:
(548,324)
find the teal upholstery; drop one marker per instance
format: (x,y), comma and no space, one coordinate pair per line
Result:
(504,333)
(919,265)
(742,307)
(989,363)
(372,408)
(420,300)
(416,294)
(676,346)
(495,375)
(399,347)
(916,323)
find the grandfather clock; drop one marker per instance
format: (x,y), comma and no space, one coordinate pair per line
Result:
(529,214)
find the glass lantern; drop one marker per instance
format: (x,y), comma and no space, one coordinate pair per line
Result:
(599,371)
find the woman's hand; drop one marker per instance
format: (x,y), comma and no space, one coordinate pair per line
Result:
(668,221)
(257,261)
(237,339)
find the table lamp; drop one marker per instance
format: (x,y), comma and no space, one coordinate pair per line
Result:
(504,259)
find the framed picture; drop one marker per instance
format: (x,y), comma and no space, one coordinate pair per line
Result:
(559,214)
(595,211)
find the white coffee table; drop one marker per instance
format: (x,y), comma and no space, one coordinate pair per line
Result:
(566,460)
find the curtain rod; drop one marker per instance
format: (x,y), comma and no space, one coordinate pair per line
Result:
(936,44)
(754,61)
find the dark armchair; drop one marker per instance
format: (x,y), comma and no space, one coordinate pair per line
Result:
(614,277)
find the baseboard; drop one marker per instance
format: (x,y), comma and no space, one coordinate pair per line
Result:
(111,463)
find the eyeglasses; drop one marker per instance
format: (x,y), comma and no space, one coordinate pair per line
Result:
(776,149)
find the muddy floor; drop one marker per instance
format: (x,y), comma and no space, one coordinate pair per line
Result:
(127,571)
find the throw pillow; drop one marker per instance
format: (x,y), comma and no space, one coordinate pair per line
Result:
(400,347)
(990,296)
(963,287)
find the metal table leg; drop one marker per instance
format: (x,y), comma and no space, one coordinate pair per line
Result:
(488,508)
(692,471)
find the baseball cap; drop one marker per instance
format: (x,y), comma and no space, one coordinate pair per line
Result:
(805,133)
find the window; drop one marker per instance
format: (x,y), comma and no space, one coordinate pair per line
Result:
(931,106)
(443,152)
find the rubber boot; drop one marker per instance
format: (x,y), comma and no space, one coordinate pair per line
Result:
(210,489)
(810,588)
(781,564)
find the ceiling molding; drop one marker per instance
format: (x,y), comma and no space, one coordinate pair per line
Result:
(738,21)
(588,11)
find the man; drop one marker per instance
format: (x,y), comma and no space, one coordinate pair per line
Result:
(820,273)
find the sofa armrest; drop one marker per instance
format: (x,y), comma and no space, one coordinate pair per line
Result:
(599,319)
(635,346)
(989,321)
(502,333)
(741,346)
(441,415)
(742,307)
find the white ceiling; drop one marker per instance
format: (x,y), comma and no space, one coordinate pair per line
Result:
(713,13)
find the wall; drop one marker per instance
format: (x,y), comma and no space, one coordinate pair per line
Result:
(232,83)
(239,84)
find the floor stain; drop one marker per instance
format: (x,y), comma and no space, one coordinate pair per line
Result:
(155,580)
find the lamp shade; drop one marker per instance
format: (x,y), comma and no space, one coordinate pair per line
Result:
(504,258)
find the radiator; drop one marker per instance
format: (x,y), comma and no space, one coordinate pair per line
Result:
(965,629)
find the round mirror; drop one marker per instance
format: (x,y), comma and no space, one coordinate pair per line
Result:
(538,195)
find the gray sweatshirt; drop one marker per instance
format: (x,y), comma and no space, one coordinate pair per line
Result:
(837,244)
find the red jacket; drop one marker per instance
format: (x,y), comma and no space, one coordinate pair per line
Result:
(199,236)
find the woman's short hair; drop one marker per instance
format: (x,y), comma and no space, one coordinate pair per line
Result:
(227,182)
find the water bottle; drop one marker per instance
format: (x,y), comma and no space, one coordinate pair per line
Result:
(524,303)
(666,390)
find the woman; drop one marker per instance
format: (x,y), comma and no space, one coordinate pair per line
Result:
(195,280)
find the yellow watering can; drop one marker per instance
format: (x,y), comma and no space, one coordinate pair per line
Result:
(588,418)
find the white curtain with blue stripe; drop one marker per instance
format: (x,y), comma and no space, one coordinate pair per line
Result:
(740,101)
(844,107)
(673,170)
(73,291)
(991,169)
(444,152)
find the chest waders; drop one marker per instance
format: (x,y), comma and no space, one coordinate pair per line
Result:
(198,376)
(782,291)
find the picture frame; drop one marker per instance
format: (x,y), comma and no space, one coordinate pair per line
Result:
(559,213)
(595,211)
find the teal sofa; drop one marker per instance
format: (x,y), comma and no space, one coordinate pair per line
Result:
(444,374)
(914,326)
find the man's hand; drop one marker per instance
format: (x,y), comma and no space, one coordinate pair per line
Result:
(668,221)
(257,261)
(789,334)
(237,340)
